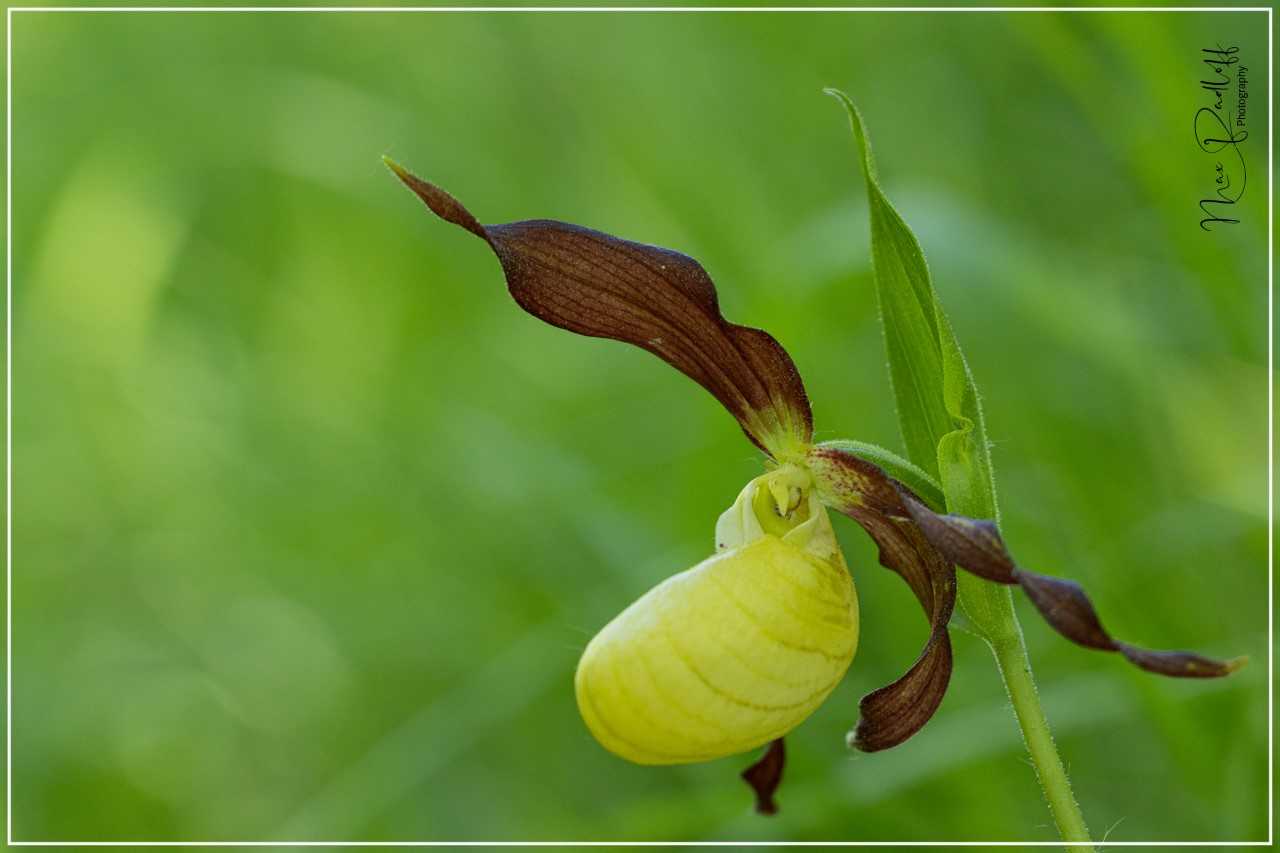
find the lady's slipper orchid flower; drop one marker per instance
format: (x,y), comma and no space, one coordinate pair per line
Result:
(737,651)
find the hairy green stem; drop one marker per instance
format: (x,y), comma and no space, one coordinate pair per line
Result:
(1015,668)
(989,607)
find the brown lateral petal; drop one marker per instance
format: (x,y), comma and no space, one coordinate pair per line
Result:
(897,711)
(765,776)
(862,491)
(662,301)
(976,546)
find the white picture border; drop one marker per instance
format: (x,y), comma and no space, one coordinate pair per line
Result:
(12,10)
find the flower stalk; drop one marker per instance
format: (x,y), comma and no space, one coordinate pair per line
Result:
(1015,668)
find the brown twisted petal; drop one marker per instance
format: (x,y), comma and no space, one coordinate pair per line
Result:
(765,776)
(871,497)
(863,492)
(978,547)
(662,301)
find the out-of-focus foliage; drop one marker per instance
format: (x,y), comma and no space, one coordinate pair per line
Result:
(311,522)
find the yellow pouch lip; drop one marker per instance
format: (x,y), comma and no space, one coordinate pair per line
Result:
(618,667)
(613,726)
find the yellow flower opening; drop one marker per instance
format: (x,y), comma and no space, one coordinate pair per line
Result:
(736,651)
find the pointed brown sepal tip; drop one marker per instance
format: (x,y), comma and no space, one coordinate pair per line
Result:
(765,776)
(441,203)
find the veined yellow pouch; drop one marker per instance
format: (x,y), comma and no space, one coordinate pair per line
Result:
(736,651)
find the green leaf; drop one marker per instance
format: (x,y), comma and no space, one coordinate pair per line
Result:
(939,411)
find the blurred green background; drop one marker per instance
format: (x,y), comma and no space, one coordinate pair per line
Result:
(311,522)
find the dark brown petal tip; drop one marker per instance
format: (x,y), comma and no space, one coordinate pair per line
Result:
(1180,664)
(598,285)
(765,776)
